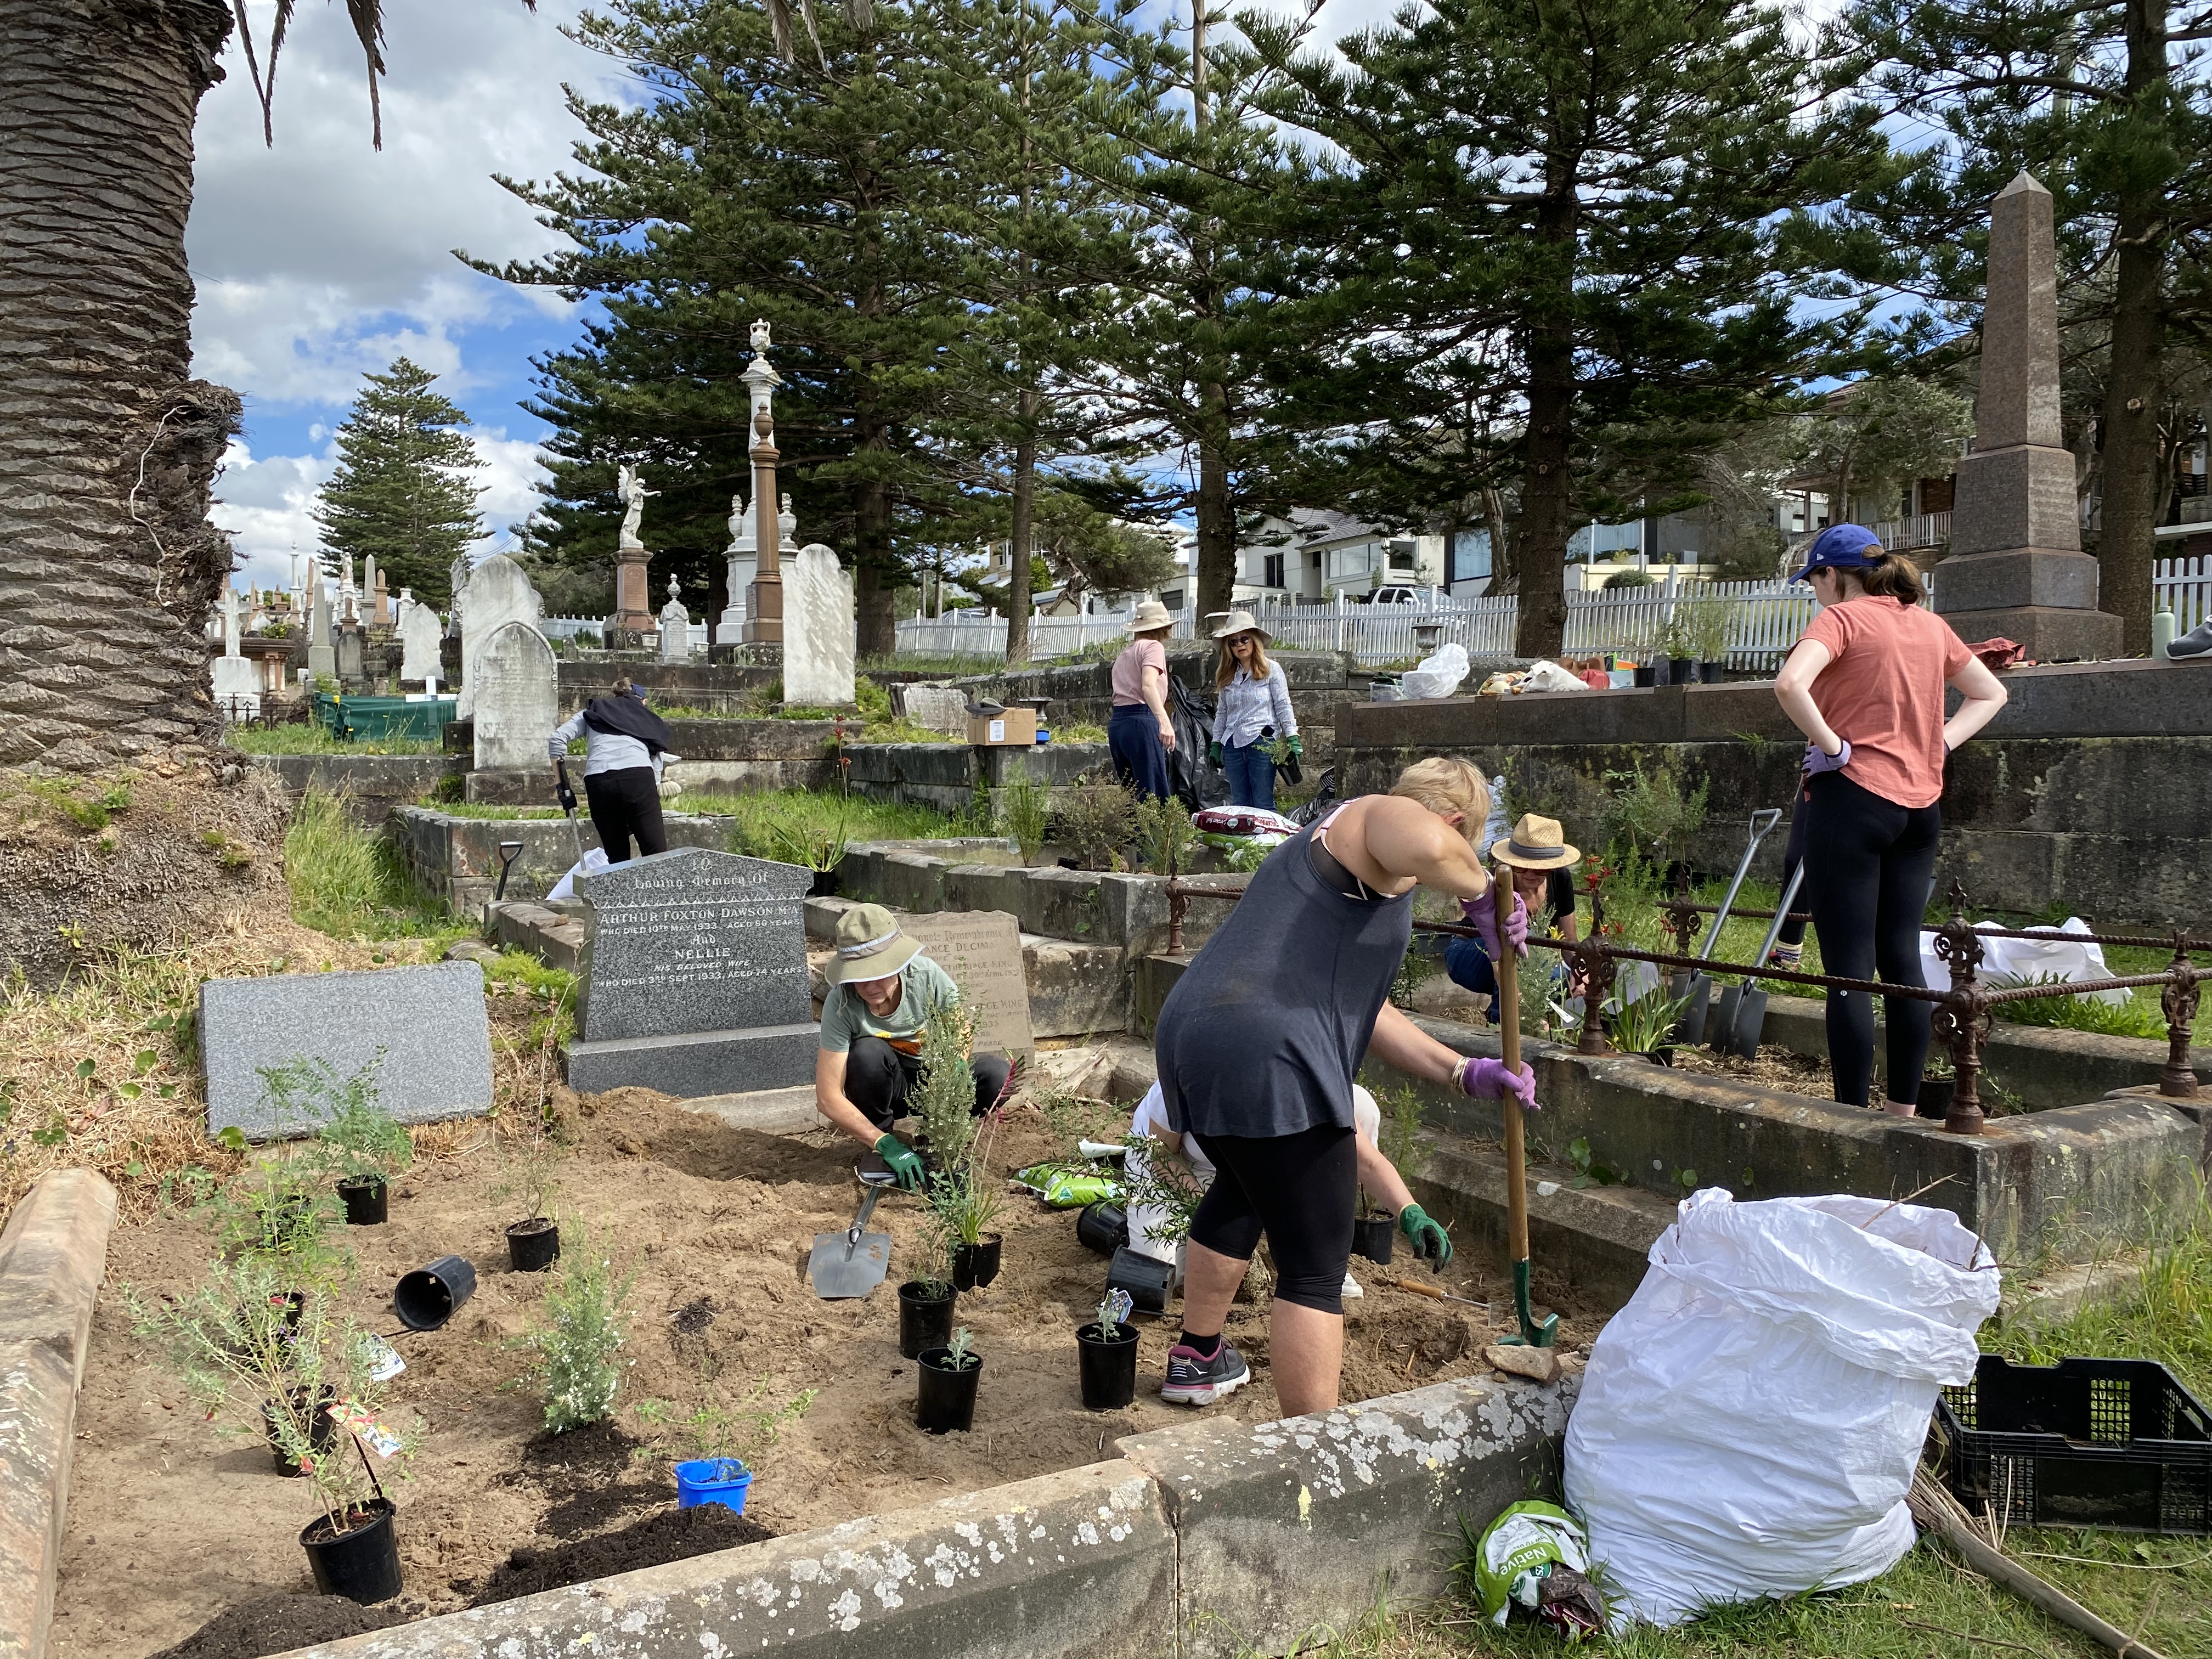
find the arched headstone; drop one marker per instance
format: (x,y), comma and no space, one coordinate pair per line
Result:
(516,697)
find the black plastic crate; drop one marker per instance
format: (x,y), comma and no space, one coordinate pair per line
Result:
(2086,1443)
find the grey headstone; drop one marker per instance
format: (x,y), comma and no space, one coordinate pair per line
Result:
(939,707)
(818,634)
(692,940)
(429,1022)
(499,593)
(518,698)
(982,951)
(420,631)
(321,658)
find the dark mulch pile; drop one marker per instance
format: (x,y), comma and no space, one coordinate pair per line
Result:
(670,1535)
(277,1624)
(592,1477)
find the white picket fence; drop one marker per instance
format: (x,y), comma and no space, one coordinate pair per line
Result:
(2184,586)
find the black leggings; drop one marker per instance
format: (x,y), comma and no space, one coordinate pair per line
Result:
(1298,1189)
(879,1079)
(1869,865)
(624,804)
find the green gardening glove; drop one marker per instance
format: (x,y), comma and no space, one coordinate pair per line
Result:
(905,1165)
(1427,1237)
(1213,753)
(1298,746)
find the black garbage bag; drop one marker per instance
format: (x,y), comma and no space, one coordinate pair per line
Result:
(1324,796)
(1198,782)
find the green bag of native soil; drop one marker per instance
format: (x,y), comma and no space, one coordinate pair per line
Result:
(1535,1557)
(1068,1186)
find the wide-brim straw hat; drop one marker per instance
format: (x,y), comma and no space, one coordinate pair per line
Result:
(1240,622)
(869,946)
(1536,843)
(1150,614)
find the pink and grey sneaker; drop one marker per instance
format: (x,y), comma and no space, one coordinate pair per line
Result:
(1194,1380)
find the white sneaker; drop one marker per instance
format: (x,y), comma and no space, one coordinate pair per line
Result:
(1352,1287)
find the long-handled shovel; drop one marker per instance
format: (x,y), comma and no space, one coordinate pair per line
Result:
(1697,985)
(1531,1335)
(1740,1035)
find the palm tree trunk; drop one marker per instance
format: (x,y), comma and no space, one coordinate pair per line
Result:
(107,452)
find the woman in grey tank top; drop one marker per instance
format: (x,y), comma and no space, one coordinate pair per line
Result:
(1259,1043)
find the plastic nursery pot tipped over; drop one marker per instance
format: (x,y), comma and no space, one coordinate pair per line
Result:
(1109,1362)
(367,1201)
(924,1317)
(974,1266)
(1104,1227)
(1371,1236)
(945,1401)
(534,1245)
(723,1480)
(360,1563)
(426,1298)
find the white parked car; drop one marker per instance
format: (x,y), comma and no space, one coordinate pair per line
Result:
(1395,596)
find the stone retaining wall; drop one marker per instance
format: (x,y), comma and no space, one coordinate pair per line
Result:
(943,775)
(370,785)
(1203,1541)
(1321,682)
(2091,792)
(456,858)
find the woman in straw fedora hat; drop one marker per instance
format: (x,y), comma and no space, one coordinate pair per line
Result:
(1543,879)
(882,992)
(1138,734)
(1254,705)
(1259,1043)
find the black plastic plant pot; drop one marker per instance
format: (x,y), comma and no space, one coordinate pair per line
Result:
(362,1563)
(1108,1361)
(825,884)
(322,1432)
(1712,672)
(1147,1279)
(426,1297)
(1371,1236)
(1104,1227)
(925,1317)
(974,1266)
(1682,671)
(1662,1056)
(945,1402)
(533,1246)
(1646,673)
(1935,1093)
(367,1202)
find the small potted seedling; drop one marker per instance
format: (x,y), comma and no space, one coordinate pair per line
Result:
(1645,1026)
(970,1206)
(724,1444)
(358,1142)
(1107,1352)
(925,1300)
(579,1334)
(964,1199)
(1938,1084)
(531,1164)
(1024,809)
(946,1401)
(1372,1230)
(261,1357)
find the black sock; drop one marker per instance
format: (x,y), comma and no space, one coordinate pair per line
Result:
(1207,1346)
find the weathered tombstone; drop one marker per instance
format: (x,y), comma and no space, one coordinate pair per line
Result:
(350,655)
(420,630)
(695,980)
(982,951)
(818,635)
(740,553)
(382,615)
(939,707)
(517,698)
(428,1024)
(499,593)
(675,627)
(2015,568)
(322,658)
(235,682)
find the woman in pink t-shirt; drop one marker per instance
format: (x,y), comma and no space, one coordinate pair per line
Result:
(1865,685)
(1138,733)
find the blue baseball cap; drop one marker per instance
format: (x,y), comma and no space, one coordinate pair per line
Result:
(1841,547)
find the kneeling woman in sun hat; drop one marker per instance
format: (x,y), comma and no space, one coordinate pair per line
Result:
(1865,685)
(1543,876)
(882,992)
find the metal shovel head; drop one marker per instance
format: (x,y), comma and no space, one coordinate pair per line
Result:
(851,1263)
(1723,1024)
(1741,1038)
(1691,1028)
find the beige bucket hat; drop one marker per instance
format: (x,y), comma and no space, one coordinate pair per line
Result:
(1240,622)
(1150,614)
(869,946)
(1535,844)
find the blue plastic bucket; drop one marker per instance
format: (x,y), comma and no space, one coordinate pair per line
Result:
(722,1480)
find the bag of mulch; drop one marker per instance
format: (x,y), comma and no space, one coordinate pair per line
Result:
(1067,1186)
(1534,1560)
(594,861)
(1749,1423)
(1244,820)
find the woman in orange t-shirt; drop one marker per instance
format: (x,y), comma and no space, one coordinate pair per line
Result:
(1865,685)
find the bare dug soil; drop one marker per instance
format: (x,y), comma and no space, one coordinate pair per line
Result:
(170,1525)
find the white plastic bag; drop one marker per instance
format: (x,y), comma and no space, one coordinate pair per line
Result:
(2054,955)
(1750,1421)
(594,861)
(1439,674)
(1551,676)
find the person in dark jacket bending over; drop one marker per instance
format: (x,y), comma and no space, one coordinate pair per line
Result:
(1258,1044)
(882,992)
(625,748)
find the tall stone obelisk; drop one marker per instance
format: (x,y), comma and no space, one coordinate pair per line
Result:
(2016,568)
(764,599)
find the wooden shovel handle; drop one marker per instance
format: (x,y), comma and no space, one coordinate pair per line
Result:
(1509,1037)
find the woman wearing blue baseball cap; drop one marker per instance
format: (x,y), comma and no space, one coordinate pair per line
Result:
(1865,685)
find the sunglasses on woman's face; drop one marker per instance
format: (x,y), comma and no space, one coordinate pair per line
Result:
(1240,642)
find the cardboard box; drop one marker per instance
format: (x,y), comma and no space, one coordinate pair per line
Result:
(1014,729)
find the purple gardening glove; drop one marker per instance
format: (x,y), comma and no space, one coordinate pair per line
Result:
(1818,760)
(1488,1080)
(1482,915)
